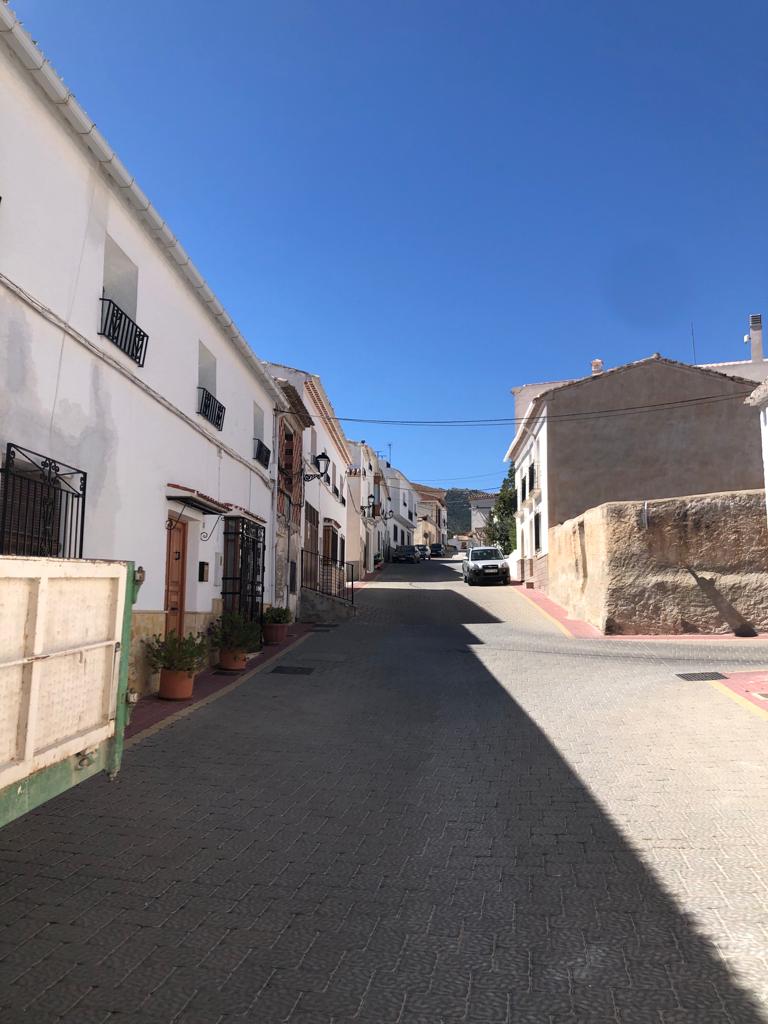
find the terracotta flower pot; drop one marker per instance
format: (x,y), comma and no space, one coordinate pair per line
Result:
(176,684)
(232,661)
(275,632)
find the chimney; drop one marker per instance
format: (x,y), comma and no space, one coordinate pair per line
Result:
(756,337)
(597,367)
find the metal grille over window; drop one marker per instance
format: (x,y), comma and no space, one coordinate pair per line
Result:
(210,408)
(242,581)
(261,453)
(120,329)
(42,506)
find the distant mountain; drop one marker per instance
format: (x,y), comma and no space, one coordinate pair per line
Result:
(457,503)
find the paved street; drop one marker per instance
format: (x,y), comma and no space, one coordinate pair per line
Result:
(456,813)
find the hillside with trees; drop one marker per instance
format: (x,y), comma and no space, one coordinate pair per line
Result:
(457,504)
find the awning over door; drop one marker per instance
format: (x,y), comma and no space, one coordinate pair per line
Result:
(191,498)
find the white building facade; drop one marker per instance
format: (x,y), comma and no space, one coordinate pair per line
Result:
(432,516)
(135,421)
(404,500)
(528,451)
(366,527)
(325,499)
(480,508)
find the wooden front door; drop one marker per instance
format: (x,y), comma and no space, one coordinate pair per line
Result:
(175,578)
(311,529)
(330,543)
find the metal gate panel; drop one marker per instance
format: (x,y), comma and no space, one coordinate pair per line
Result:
(243,577)
(61,628)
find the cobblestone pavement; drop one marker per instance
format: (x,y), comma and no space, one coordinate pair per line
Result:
(459,814)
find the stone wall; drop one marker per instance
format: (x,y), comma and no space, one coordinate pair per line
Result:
(541,572)
(324,609)
(533,571)
(675,565)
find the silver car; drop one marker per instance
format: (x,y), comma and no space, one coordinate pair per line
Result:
(485,565)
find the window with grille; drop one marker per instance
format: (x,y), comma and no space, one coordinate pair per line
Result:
(42,506)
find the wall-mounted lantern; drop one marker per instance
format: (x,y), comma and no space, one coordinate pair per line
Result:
(322,462)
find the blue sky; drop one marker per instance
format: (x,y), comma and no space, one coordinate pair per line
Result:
(427,202)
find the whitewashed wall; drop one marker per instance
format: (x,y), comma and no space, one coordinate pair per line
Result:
(533,449)
(404,499)
(60,399)
(318,493)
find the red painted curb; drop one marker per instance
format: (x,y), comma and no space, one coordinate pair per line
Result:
(575,627)
(581,630)
(748,685)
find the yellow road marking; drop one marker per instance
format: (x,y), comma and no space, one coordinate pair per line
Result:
(557,622)
(717,685)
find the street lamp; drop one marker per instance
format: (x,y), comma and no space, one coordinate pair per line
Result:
(367,510)
(322,462)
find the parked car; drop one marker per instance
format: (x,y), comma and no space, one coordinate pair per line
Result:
(406,553)
(424,551)
(485,565)
(437,550)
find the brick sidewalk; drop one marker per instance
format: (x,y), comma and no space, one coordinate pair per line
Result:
(151,710)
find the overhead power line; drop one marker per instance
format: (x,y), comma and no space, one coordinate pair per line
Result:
(475,476)
(504,421)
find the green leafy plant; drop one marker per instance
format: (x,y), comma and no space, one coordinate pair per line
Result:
(179,653)
(502,525)
(233,632)
(277,615)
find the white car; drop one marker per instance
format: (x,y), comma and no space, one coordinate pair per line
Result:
(485,565)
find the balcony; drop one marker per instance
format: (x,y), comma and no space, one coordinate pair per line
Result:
(261,453)
(210,408)
(120,329)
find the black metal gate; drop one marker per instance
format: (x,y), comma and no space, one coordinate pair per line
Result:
(42,506)
(242,582)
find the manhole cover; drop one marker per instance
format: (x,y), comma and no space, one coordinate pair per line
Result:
(291,670)
(701,677)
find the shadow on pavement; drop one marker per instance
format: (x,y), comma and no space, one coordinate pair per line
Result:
(389,838)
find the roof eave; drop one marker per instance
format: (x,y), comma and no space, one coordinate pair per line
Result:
(34,62)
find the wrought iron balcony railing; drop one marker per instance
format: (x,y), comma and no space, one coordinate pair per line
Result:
(328,576)
(120,329)
(261,453)
(210,408)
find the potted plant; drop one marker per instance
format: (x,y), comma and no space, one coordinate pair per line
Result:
(236,637)
(276,622)
(178,658)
